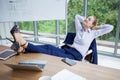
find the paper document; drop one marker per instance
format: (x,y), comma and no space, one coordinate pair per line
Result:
(66,75)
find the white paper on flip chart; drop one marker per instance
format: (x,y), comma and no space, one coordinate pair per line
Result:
(66,75)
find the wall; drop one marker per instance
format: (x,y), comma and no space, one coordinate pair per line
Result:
(5,32)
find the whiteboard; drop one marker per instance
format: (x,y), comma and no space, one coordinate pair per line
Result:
(31,10)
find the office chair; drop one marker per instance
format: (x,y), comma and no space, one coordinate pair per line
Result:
(92,57)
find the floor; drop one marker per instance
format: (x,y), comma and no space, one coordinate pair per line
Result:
(108,61)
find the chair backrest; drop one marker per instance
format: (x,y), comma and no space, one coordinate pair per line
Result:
(69,40)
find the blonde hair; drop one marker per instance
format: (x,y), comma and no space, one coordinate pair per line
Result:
(95,23)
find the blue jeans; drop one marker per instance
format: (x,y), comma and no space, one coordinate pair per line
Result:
(55,51)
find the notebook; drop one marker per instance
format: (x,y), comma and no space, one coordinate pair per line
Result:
(5,54)
(32,65)
(67,75)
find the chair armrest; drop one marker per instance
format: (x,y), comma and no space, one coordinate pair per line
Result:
(89,51)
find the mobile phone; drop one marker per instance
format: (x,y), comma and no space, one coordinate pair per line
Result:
(69,61)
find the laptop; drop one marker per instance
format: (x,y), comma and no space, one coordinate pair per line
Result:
(7,53)
(31,65)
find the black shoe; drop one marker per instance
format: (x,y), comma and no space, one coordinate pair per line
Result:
(14,29)
(15,46)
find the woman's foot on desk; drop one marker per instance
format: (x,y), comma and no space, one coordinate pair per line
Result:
(22,43)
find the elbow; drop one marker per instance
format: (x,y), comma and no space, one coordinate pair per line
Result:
(79,18)
(76,16)
(107,27)
(111,28)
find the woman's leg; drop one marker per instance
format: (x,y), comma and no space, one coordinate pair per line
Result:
(48,49)
(22,42)
(45,49)
(77,55)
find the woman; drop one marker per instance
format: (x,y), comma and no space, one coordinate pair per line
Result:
(86,34)
(84,37)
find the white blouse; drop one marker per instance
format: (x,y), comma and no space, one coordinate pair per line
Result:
(84,38)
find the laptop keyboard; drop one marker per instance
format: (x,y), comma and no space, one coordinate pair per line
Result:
(41,66)
(39,63)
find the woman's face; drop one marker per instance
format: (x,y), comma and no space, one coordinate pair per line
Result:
(88,22)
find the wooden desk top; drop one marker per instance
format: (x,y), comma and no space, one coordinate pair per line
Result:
(54,65)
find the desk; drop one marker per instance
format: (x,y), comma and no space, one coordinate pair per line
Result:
(54,65)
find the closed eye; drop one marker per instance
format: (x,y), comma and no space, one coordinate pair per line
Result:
(89,19)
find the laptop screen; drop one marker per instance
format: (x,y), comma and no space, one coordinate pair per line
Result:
(6,54)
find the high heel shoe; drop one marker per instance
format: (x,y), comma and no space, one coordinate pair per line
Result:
(14,29)
(15,46)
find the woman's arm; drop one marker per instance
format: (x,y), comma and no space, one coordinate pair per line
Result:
(103,29)
(78,19)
